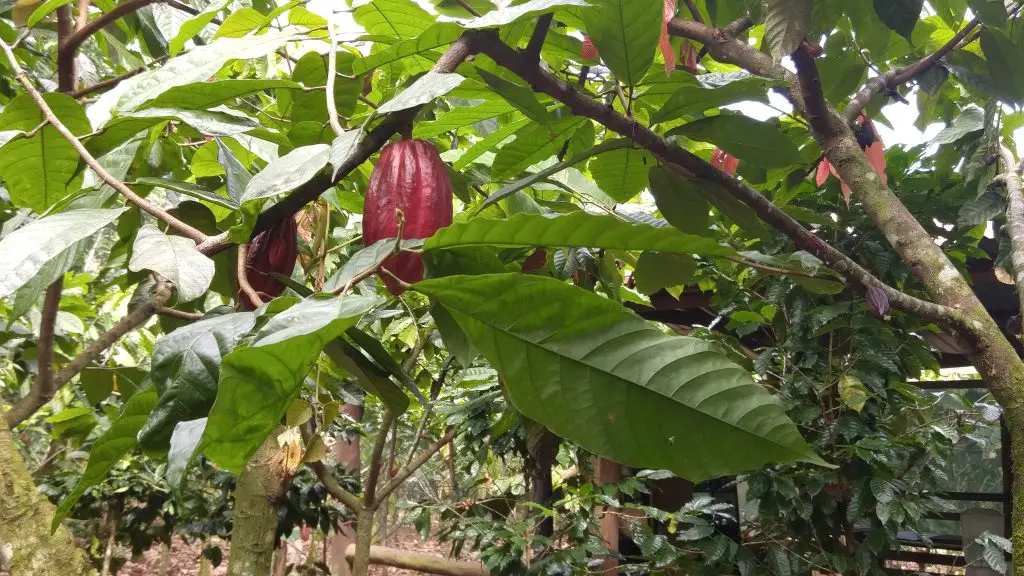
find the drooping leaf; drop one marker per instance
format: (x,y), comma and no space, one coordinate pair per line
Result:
(578,229)
(287,172)
(364,260)
(620,387)
(368,375)
(655,271)
(186,369)
(460,117)
(258,382)
(29,294)
(759,143)
(237,176)
(184,440)
(193,26)
(24,252)
(429,86)
(625,33)
(691,99)
(438,35)
(205,95)
(900,15)
(379,354)
(117,441)
(1003,57)
(37,171)
(967,122)
(175,258)
(786,25)
(522,97)
(672,192)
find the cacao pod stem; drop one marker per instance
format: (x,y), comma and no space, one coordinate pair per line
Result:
(378,266)
(243,278)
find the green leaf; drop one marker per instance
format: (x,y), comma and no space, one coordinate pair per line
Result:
(204,95)
(519,96)
(460,117)
(29,294)
(189,189)
(311,71)
(900,15)
(175,258)
(674,194)
(401,19)
(694,99)
(242,21)
(621,174)
(237,176)
(655,271)
(37,171)
(343,147)
(438,35)
(382,357)
(626,34)
(259,382)
(510,14)
(194,25)
(184,441)
(980,210)
(363,260)
(854,394)
(533,143)
(196,65)
(186,370)
(991,12)
(426,88)
(804,268)
(369,376)
(760,143)
(598,375)
(287,172)
(24,252)
(578,229)
(489,143)
(117,441)
(786,25)
(44,10)
(1003,57)
(967,122)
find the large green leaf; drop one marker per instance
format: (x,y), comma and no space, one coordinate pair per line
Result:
(991,12)
(258,382)
(189,189)
(786,25)
(368,375)
(533,143)
(24,252)
(578,229)
(440,34)
(194,25)
(490,142)
(621,173)
(175,258)
(203,95)
(186,369)
(37,170)
(760,143)
(310,71)
(206,122)
(287,172)
(194,66)
(462,116)
(598,375)
(626,34)
(522,97)
(1003,57)
(185,440)
(117,441)
(900,15)
(427,87)
(691,99)
(673,195)
(400,19)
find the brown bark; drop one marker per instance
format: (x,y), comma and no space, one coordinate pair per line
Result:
(607,472)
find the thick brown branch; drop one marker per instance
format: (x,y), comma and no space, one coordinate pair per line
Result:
(67,49)
(536,44)
(410,468)
(42,388)
(155,211)
(1015,220)
(689,165)
(67,71)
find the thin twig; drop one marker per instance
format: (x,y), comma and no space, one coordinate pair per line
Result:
(155,211)
(379,264)
(42,388)
(694,11)
(415,465)
(241,274)
(180,314)
(327,479)
(332,64)
(67,49)
(435,391)
(114,81)
(465,5)
(370,499)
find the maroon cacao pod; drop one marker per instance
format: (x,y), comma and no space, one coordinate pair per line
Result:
(410,176)
(271,251)
(878,300)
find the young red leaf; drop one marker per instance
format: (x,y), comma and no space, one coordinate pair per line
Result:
(665,42)
(588,51)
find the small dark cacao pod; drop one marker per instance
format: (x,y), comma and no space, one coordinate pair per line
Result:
(271,251)
(878,300)
(410,176)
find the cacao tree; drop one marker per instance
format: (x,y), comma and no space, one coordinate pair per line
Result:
(223,222)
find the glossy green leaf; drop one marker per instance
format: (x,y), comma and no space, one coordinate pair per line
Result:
(900,15)
(460,117)
(578,229)
(438,35)
(241,22)
(364,260)
(117,441)
(427,87)
(991,12)
(626,34)
(44,10)
(204,95)
(184,441)
(675,195)
(400,19)
(379,354)
(24,252)
(189,189)
(691,99)
(621,174)
(287,172)
(37,171)
(656,270)
(522,97)
(760,143)
(786,25)
(617,385)
(175,258)
(532,143)
(489,143)
(193,26)
(1003,57)
(186,369)
(368,375)
(258,382)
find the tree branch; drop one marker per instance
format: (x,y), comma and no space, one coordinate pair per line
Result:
(536,44)
(83,14)
(415,465)
(332,65)
(694,11)
(465,5)
(67,72)
(418,562)
(242,276)
(370,499)
(691,166)
(327,479)
(134,319)
(114,81)
(67,49)
(155,211)
(1014,219)
(180,314)
(42,388)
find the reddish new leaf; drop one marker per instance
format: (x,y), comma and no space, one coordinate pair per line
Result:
(588,51)
(665,43)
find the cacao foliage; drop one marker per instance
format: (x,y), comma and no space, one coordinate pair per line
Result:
(410,176)
(271,251)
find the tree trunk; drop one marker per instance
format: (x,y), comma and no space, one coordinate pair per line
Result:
(261,486)
(542,447)
(26,545)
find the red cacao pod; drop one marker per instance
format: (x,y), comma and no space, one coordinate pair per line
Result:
(410,176)
(271,251)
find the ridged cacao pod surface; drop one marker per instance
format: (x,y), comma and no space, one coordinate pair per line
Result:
(410,176)
(878,301)
(271,251)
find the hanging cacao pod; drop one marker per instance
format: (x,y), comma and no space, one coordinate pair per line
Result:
(271,251)
(410,176)
(878,301)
